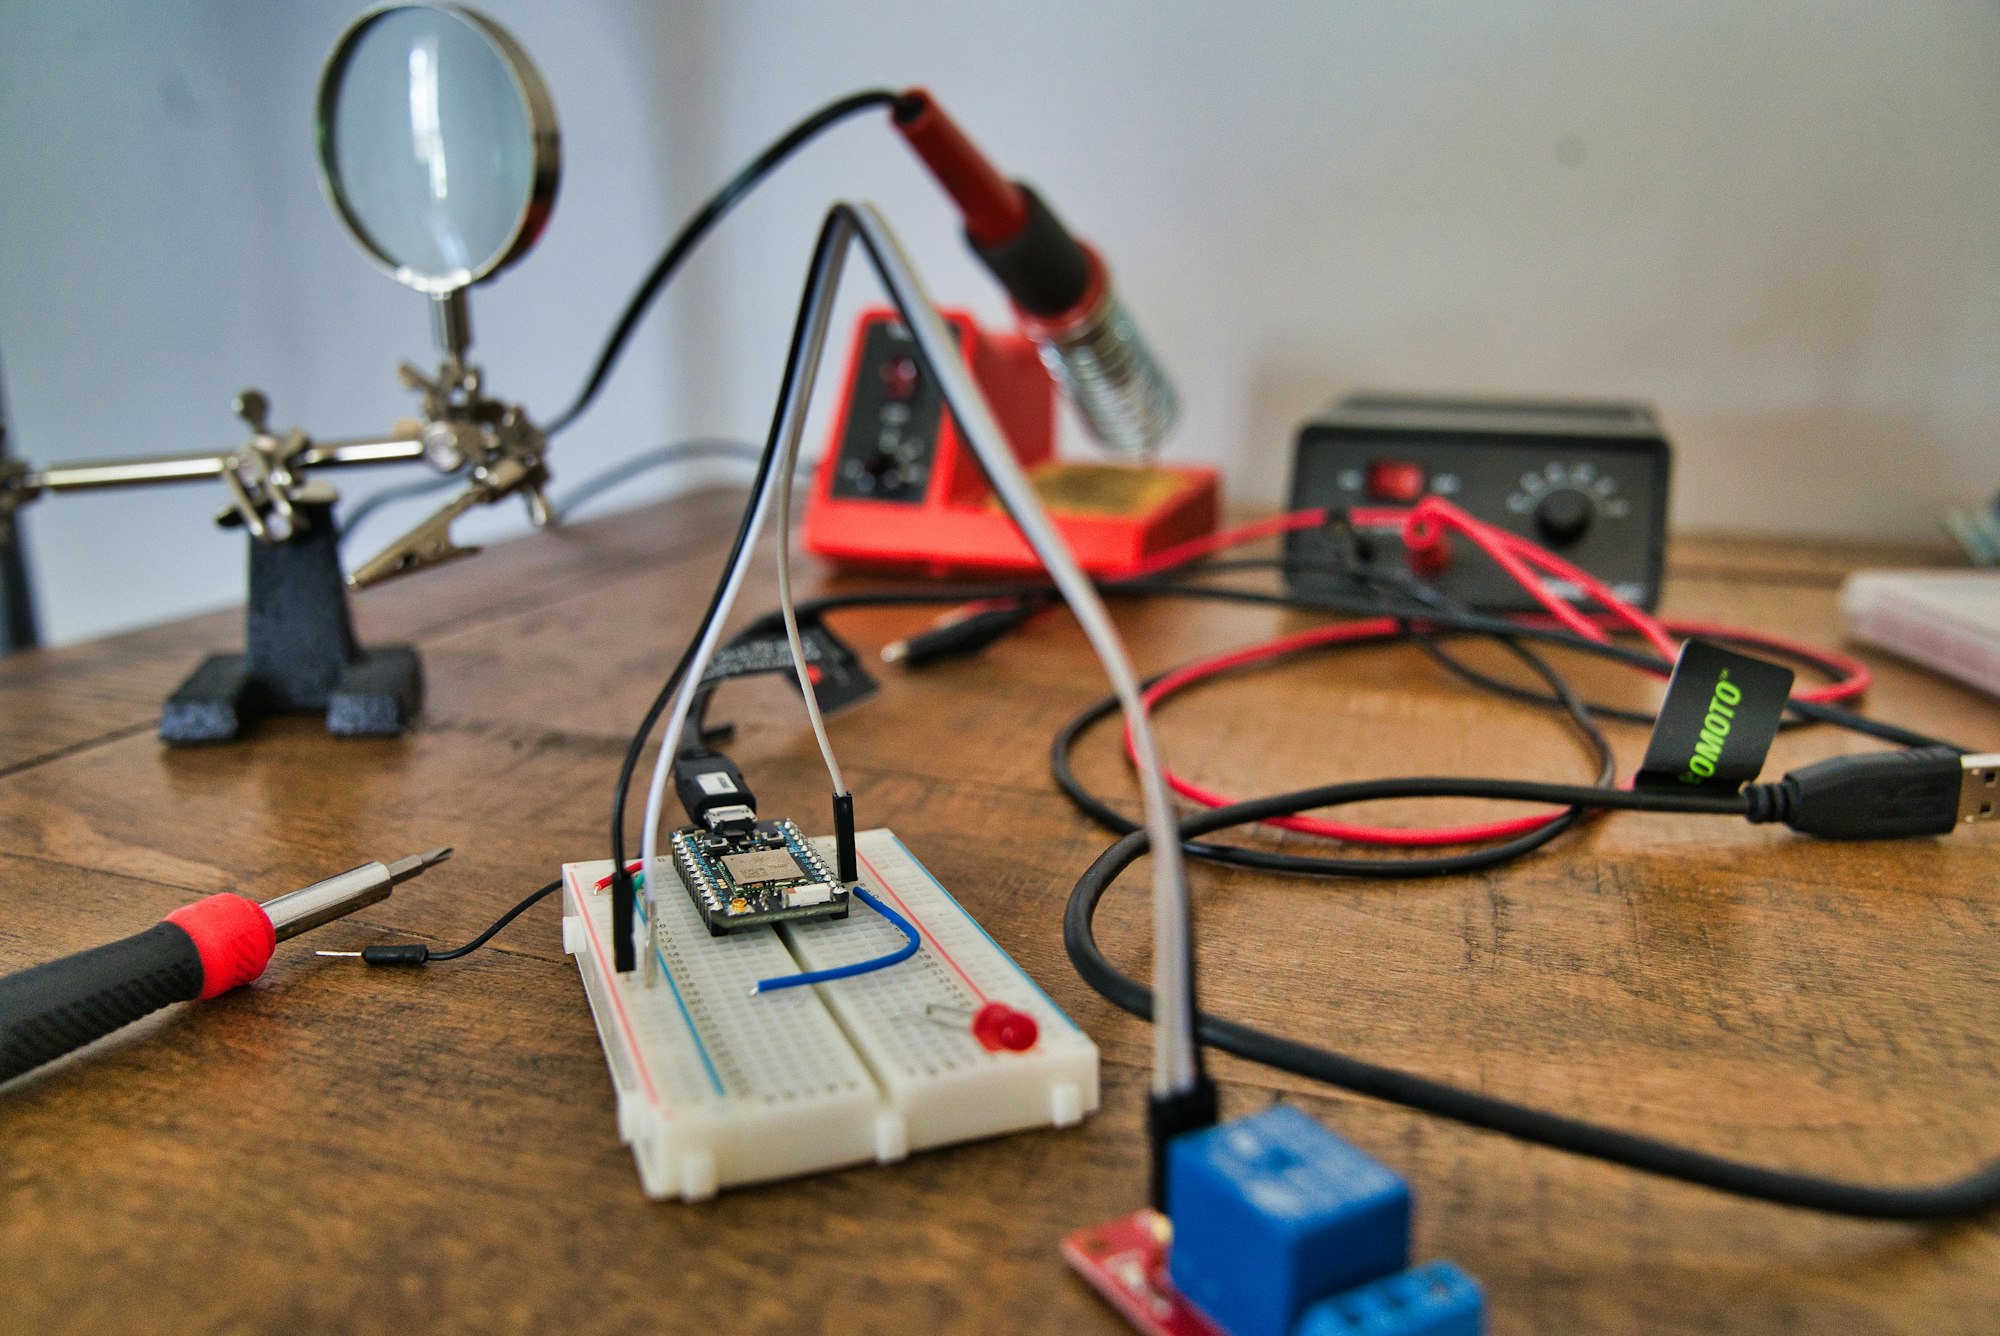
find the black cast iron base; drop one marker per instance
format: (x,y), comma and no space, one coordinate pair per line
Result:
(376,697)
(300,653)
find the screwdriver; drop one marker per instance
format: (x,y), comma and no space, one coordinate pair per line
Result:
(198,951)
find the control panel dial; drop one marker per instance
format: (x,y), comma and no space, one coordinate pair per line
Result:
(1563,516)
(1565,499)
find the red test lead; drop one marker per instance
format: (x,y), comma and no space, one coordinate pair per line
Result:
(200,950)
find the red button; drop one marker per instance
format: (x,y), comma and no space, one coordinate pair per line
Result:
(899,378)
(1395,480)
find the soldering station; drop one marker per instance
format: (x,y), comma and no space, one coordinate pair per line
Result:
(787,992)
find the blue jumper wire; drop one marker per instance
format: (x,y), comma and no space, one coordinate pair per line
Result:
(912,940)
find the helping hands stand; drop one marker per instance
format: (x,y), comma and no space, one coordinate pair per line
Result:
(300,651)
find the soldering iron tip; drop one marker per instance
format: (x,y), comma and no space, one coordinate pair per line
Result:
(403,869)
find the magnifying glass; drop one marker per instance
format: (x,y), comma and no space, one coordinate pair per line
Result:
(438,149)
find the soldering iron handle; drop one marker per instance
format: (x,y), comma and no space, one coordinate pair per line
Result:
(1060,286)
(201,950)
(48,1010)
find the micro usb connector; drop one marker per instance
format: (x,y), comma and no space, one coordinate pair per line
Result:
(734,819)
(712,791)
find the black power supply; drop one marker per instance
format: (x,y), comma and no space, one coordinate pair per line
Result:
(1587,480)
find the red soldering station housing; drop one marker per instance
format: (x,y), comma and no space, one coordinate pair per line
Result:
(898,487)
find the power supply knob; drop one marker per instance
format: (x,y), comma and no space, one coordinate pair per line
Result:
(1563,516)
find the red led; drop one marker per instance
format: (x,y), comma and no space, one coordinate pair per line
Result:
(1395,480)
(998,1026)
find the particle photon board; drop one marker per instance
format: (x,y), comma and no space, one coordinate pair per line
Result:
(761,875)
(718,1086)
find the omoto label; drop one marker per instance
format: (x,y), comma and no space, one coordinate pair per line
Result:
(1716,724)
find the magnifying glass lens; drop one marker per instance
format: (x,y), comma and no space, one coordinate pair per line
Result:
(431,145)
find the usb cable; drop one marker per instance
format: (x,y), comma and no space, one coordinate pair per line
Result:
(1882,795)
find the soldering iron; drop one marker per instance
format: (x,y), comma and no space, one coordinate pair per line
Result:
(1060,286)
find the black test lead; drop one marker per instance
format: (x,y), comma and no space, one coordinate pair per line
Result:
(198,951)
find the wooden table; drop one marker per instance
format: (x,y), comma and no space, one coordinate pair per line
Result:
(341,1148)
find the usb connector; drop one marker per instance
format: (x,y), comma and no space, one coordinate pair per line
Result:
(1883,795)
(1978,787)
(712,791)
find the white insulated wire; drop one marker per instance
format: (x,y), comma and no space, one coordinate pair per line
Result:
(656,792)
(821,285)
(786,605)
(1174,1066)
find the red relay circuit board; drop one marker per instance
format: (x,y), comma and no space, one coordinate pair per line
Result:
(1125,1260)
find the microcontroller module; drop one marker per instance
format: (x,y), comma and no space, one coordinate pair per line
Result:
(767,873)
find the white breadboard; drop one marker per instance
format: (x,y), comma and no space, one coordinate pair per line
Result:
(719,1086)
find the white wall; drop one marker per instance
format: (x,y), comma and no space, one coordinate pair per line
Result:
(1780,222)
(164,242)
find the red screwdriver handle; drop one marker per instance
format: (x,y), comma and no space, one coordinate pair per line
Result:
(202,949)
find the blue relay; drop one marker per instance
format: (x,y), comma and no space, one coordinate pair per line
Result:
(1273,1212)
